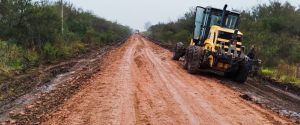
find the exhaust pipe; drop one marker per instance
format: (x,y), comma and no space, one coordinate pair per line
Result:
(223,16)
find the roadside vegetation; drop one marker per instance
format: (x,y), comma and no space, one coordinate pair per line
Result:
(30,33)
(273,28)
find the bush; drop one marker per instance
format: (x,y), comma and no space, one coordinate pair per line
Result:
(172,32)
(31,58)
(72,48)
(10,57)
(51,52)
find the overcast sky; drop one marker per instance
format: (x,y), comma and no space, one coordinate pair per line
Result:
(135,13)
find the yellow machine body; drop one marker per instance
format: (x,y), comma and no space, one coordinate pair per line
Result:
(213,41)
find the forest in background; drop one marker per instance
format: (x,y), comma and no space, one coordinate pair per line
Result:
(273,28)
(30,33)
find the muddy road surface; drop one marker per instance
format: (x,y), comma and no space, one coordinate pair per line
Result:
(140,84)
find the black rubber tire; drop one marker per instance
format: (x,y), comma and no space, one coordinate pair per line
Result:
(193,59)
(242,73)
(177,51)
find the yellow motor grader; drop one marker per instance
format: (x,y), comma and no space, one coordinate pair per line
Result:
(217,45)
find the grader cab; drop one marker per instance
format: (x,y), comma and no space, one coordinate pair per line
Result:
(216,45)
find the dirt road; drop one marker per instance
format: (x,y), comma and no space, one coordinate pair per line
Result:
(140,84)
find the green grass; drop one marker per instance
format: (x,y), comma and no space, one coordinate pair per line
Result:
(15,58)
(268,72)
(289,79)
(275,73)
(10,57)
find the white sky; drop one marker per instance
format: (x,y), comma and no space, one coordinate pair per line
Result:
(135,13)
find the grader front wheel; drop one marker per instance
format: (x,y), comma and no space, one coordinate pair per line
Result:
(178,51)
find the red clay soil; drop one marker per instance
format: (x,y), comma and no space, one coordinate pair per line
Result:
(140,84)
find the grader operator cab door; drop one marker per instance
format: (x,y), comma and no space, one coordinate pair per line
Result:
(199,19)
(205,18)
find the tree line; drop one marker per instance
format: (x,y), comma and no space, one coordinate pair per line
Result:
(273,28)
(173,32)
(30,32)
